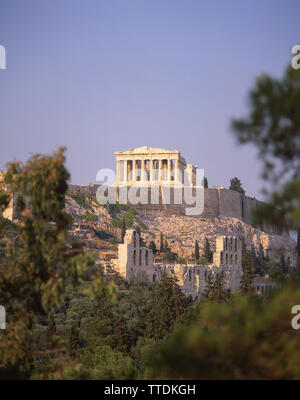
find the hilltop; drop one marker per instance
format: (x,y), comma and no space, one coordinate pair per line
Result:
(100,226)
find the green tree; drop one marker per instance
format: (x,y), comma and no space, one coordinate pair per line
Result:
(38,263)
(214,289)
(98,327)
(220,294)
(73,340)
(248,268)
(161,248)
(205,183)
(208,254)
(123,232)
(152,246)
(246,284)
(260,261)
(255,335)
(261,253)
(165,306)
(282,264)
(51,330)
(166,246)
(236,185)
(209,287)
(197,253)
(121,336)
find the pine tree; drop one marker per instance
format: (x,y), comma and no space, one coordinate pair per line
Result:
(247,278)
(166,246)
(51,330)
(113,276)
(244,250)
(208,291)
(219,293)
(197,253)
(99,323)
(121,336)
(282,264)
(208,254)
(165,307)
(205,183)
(260,261)
(123,230)
(73,341)
(248,267)
(236,185)
(161,248)
(152,246)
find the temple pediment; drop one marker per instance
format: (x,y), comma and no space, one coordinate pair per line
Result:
(147,150)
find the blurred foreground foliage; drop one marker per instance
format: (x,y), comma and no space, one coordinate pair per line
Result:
(248,338)
(273,126)
(37,263)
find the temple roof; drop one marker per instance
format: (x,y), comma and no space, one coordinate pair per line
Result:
(147,150)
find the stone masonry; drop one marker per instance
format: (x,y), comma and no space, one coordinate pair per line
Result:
(136,263)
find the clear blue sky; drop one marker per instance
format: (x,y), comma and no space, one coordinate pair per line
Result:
(100,76)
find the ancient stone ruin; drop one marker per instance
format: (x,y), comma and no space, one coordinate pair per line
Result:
(135,263)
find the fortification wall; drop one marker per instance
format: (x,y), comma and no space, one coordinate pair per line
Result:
(228,203)
(217,202)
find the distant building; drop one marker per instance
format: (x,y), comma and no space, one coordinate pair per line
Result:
(151,165)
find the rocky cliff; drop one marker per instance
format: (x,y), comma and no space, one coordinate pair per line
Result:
(181,231)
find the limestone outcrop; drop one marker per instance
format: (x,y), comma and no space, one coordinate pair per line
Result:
(182,231)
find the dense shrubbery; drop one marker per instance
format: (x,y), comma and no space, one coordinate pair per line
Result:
(130,331)
(81,201)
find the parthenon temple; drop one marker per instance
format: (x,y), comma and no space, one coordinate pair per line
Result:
(152,166)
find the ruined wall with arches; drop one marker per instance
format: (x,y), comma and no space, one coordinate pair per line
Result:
(228,251)
(136,263)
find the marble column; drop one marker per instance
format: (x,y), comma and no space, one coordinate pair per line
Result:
(159,170)
(151,171)
(134,170)
(169,171)
(177,174)
(143,171)
(118,172)
(125,171)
